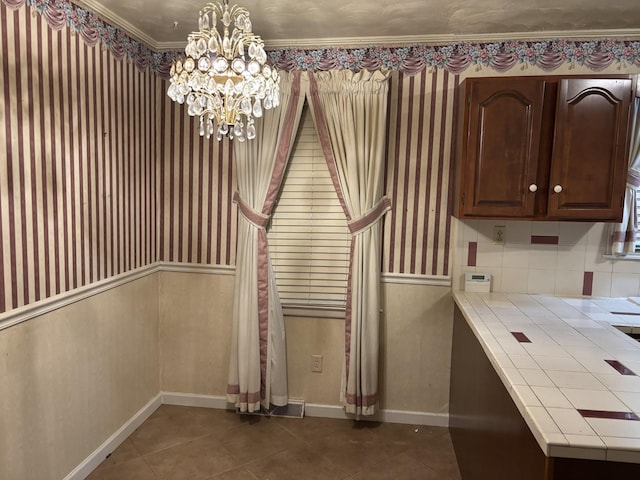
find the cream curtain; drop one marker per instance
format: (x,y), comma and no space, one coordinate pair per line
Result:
(623,235)
(257,363)
(349,111)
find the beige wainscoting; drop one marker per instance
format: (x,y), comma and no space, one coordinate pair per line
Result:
(72,377)
(416,325)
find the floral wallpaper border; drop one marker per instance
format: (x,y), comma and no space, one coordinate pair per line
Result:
(457,57)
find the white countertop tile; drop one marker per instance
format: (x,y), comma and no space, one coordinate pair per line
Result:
(622,449)
(563,368)
(559,363)
(594,400)
(536,377)
(583,380)
(570,421)
(620,383)
(551,397)
(523,361)
(606,427)
(631,400)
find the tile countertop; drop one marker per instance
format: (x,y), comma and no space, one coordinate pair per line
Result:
(571,374)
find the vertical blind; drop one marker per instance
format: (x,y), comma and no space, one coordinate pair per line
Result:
(309,239)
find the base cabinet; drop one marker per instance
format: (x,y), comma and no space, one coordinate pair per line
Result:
(491,439)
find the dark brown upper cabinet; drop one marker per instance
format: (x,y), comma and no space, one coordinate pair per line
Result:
(543,148)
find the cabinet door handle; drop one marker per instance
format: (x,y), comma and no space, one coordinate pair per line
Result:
(557,188)
(533,187)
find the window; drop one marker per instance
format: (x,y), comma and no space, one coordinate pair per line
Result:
(309,239)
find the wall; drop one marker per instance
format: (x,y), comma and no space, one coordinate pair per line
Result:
(73,377)
(195,309)
(77,172)
(574,266)
(77,208)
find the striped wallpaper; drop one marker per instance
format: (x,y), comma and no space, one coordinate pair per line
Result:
(197,218)
(102,173)
(421,123)
(76,168)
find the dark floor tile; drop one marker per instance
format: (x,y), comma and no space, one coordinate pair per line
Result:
(208,444)
(136,469)
(124,453)
(240,473)
(167,429)
(257,439)
(401,467)
(195,460)
(294,464)
(350,449)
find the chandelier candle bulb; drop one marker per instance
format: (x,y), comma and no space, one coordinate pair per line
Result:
(218,81)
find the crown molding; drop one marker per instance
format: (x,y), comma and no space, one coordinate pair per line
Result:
(388,41)
(442,39)
(118,21)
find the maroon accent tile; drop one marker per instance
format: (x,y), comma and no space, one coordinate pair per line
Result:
(625,313)
(587,284)
(473,254)
(521,337)
(620,367)
(609,415)
(544,240)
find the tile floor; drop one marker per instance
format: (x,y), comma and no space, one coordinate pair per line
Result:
(204,444)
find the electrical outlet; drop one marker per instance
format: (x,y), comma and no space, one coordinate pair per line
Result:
(499,234)
(316,363)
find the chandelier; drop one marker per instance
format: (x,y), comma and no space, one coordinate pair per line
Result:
(225,79)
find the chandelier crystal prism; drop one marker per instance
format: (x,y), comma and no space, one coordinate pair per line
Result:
(225,79)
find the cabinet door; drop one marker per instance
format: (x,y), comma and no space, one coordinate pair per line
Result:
(591,145)
(501,150)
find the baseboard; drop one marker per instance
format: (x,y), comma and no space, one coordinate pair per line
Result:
(389,416)
(194,400)
(83,470)
(315,410)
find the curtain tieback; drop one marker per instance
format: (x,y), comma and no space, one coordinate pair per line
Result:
(257,219)
(633,178)
(371,217)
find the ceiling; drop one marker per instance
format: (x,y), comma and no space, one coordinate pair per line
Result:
(303,23)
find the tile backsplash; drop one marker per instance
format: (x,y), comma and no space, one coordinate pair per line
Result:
(559,258)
